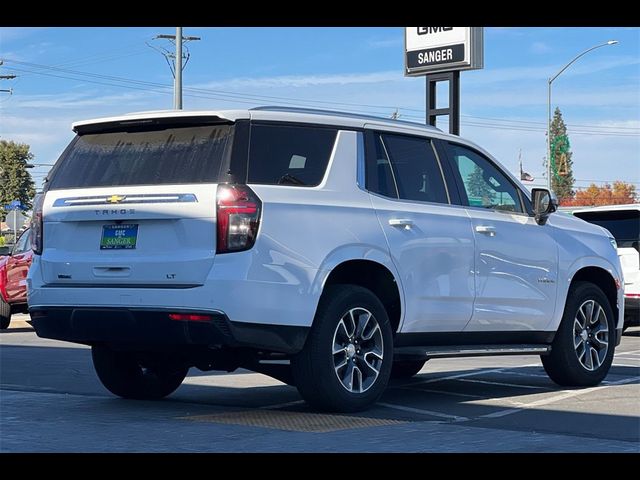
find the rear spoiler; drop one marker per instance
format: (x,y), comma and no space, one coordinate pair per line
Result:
(142,124)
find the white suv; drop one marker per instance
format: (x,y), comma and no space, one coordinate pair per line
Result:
(623,222)
(329,250)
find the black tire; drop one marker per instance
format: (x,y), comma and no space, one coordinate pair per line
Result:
(124,375)
(313,368)
(403,369)
(563,364)
(5,314)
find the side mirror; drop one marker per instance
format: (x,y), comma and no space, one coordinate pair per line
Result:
(544,204)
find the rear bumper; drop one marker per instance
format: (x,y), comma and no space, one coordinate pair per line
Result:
(154,329)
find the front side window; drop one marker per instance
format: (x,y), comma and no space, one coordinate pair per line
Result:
(289,155)
(484,185)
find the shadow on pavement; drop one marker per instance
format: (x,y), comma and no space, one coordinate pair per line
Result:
(429,396)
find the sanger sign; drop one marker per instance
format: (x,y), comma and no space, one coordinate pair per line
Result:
(442,49)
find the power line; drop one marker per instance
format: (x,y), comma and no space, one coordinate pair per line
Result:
(231,97)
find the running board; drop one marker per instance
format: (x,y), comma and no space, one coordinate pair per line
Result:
(470,351)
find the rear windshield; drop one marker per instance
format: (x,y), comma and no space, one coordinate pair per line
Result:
(624,225)
(197,154)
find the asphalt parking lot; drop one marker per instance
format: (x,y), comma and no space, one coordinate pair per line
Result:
(52,401)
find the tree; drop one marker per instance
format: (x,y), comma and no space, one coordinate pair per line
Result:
(623,192)
(15,181)
(478,187)
(620,194)
(561,163)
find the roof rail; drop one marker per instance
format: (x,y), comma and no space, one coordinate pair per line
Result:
(317,111)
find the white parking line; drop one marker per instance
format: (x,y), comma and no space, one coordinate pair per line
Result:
(473,374)
(517,385)
(443,392)
(556,398)
(520,374)
(421,411)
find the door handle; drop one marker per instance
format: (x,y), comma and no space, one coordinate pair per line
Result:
(486,230)
(401,222)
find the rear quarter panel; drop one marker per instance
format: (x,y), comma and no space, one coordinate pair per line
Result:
(304,233)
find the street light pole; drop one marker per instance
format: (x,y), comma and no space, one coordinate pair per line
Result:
(549,82)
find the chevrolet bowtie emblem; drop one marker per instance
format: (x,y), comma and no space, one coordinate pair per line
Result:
(115,198)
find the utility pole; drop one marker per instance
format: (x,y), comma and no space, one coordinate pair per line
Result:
(175,61)
(6,77)
(177,83)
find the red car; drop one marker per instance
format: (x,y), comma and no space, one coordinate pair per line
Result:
(13,279)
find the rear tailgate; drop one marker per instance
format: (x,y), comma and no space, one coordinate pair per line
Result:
(138,236)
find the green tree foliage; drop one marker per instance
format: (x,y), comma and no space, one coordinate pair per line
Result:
(15,180)
(478,188)
(561,163)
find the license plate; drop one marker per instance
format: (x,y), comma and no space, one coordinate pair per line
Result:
(115,237)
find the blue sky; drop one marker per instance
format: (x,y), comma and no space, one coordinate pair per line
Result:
(359,69)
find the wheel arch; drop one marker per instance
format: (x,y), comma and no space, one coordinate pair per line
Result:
(603,280)
(374,275)
(596,270)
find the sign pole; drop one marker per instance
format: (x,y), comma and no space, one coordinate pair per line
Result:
(439,54)
(453,110)
(454,103)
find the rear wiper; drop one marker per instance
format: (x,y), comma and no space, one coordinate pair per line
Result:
(292,179)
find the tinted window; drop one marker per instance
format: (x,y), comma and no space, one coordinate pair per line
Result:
(624,225)
(415,168)
(23,243)
(289,155)
(484,184)
(173,155)
(379,175)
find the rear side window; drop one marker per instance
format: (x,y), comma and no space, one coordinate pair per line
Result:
(158,157)
(415,168)
(289,155)
(379,174)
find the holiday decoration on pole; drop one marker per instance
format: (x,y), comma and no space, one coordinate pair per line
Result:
(559,148)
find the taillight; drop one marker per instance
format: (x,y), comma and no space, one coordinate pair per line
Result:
(36,224)
(238,218)
(189,317)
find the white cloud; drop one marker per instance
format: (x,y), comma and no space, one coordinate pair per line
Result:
(297,81)
(539,48)
(517,31)
(625,96)
(8,34)
(80,100)
(386,42)
(524,73)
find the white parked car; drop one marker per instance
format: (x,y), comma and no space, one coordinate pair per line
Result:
(623,222)
(332,251)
